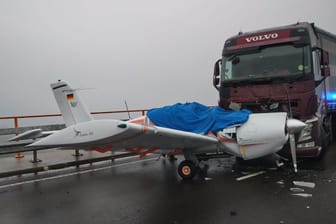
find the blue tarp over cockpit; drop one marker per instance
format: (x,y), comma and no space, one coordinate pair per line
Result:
(197,118)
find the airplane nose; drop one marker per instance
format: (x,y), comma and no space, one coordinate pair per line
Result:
(295,126)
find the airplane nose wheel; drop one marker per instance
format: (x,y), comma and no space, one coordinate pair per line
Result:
(187,169)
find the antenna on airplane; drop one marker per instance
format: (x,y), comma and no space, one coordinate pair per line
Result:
(129,116)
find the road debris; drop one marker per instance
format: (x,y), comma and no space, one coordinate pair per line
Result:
(296,189)
(304,184)
(279,163)
(250,175)
(280,182)
(305,195)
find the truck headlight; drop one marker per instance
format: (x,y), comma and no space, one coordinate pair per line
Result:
(306,145)
(305,134)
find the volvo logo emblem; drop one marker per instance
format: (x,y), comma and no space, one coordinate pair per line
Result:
(262,37)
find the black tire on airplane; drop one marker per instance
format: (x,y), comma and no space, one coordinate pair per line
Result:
(187,169)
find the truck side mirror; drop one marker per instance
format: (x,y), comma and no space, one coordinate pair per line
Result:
(216,74)
(325,69)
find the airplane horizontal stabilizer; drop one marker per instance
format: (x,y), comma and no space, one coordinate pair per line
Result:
(32,134)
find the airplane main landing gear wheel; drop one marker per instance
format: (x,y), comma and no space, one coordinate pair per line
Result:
(187,169)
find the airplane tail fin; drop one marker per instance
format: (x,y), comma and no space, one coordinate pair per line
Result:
(70,104)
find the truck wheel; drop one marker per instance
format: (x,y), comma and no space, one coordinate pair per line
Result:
(187,169)
(328,128)
(324,142)
(333,128)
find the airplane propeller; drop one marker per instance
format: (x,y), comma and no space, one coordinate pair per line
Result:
(294,126)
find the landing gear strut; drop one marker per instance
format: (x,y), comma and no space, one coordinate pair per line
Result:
(187,169)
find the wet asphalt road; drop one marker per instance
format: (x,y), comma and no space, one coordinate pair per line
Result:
(150,191)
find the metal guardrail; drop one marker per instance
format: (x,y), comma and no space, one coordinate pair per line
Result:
(18,147)
(12,131)
(17,118)
(9,148)
(62,165)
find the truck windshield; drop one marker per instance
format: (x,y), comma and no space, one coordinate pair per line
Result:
(267,62)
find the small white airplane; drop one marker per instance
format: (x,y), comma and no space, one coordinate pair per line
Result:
(262,134)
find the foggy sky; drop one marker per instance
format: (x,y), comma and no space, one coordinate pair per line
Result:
(150,52)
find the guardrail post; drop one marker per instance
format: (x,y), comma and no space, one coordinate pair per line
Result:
(35,159)
(112,153)
(16,126)
(77,153)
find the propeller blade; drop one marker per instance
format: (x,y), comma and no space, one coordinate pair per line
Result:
(293,151)
(294,126)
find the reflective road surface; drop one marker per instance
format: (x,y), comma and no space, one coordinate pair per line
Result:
(150,191)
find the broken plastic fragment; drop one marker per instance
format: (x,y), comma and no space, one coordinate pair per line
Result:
(296,189)
(279,163)
(280,182)
(304,184)
(250,175)
(303,195)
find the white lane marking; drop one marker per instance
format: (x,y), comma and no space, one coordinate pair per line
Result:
(72,174)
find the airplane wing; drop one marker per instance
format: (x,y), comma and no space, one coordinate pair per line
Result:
(166,138)
(168,141)
(115,135)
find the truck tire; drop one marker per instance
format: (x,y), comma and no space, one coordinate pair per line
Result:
(324,142)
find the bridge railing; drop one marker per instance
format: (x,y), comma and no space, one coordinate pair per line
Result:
(8,148)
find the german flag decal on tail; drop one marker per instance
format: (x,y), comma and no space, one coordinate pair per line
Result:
(70,96)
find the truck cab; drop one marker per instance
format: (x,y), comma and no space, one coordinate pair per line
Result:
(283,69)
